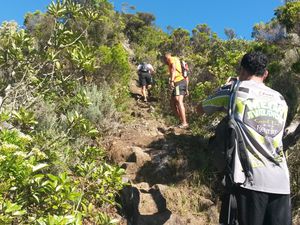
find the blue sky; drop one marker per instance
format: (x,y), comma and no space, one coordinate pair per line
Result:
(16,9)
(239,15)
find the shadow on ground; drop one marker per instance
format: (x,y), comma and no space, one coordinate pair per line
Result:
(174,157)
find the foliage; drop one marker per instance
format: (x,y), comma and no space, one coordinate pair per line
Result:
(64,81)
(230,34)
(101,111)
(272,31)
(212,60)
(41,79)
(288,15)
(26,193)
(135,23)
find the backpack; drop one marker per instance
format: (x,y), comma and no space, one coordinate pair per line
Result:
(184,68)
(144,68)
(226,143)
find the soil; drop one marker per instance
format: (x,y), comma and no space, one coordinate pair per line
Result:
(162,164)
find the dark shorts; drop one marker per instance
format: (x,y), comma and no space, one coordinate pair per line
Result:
(180,88)
(259,208)
(145,79)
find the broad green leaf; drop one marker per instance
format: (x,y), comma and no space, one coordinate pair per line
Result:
(39,166)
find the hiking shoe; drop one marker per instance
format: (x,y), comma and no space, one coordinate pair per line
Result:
(183,126)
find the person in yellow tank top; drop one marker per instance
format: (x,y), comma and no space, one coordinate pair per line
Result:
(179,88)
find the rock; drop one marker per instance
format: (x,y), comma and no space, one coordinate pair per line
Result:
(138,156)
(118,152)
(136,114)
(148,206)
(175,220)
(161,130)
(294,39)
(4,125)
(142,205)
(156,219)
(151,109)
(292,134)
(131,168)
(205,204)
(143,186)
(290,57)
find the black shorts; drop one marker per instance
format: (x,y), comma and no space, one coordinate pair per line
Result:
(180,88)
(260,208)
(145,79)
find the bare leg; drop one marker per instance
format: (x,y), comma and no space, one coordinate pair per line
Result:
(175,107)
(181,109)
(148,92)
(144,93)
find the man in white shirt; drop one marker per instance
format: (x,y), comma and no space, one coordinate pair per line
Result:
(263,194)
(145,72)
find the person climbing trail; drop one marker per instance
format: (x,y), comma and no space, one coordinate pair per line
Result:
(145,72)
(259,176)
(178,84)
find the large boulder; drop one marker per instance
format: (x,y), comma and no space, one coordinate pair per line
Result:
(138,156)
(162,204)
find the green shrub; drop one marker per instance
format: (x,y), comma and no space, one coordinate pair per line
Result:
(101,111)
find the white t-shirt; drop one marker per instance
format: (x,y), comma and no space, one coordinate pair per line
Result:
(148,66)
(261,113)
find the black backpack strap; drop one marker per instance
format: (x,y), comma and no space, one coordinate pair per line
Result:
(229,215)
(244,158)
(242,151)
(229,209)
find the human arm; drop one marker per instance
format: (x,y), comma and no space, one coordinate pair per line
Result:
(187,86)
(219,101)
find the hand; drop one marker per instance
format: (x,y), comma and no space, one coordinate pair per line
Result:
(172,84)
(187,93)
(230,80)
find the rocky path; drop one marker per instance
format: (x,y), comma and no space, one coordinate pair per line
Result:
(157,163)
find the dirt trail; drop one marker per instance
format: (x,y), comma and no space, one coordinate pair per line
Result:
(157,160)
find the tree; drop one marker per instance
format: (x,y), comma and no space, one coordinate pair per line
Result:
(230,34)
(289,16)
(201,37)
(272,31)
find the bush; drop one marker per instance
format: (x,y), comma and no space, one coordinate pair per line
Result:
(101,111)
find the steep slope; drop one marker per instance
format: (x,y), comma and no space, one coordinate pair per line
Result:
(160,163)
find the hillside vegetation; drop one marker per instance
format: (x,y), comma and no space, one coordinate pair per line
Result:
(64,92)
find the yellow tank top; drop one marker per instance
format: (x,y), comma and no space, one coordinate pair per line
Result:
(175,61)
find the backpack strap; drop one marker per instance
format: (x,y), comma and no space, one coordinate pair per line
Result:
(233,88)
(242,150)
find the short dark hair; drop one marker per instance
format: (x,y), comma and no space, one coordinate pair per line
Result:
(255,63)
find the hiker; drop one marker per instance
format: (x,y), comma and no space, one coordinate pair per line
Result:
(178,84)
(145,72)
(262,190)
